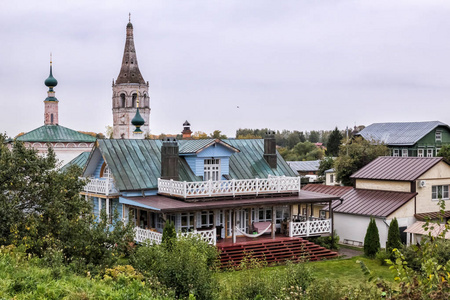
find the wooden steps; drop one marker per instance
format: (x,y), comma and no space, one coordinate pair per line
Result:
(273,251)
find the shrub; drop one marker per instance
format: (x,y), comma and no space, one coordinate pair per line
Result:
(187,268)
(169,235)
(327,241)
(382,256)
(371,240)
(394,241)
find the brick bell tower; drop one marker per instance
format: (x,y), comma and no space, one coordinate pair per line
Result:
(127,89)
(51,103)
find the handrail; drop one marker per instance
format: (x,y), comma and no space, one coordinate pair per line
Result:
(104,186)
(273,184)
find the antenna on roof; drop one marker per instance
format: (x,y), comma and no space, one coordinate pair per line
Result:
(129,17)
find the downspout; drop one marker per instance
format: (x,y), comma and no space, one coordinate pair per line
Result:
(332,222)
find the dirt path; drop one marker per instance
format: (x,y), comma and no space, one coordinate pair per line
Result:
(349,253)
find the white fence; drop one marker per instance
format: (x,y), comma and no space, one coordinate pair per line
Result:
(142,235)
(273,184)
(100,186)
(309,228)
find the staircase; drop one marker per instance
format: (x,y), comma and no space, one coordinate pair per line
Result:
(273,251)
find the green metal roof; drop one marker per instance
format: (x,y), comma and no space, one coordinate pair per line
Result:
(80,161)
(250,163)
(55,133)
(136,164)
(195,146)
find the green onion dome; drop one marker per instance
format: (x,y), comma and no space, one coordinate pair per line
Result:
(138,121)
(51,81)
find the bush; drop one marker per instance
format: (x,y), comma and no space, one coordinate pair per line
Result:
(382,256)
(394,241)
(327,241)
(371,240)
(186,268)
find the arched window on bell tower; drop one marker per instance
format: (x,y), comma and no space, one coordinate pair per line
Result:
(122,100)
(133,101)
(51,119)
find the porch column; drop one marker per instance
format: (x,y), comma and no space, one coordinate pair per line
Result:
(312,210)
(298,211)
(330,209)
(107,208)
(99,207)
(233,229)
(138,217)
(274,221)
(250,220)
(195,221)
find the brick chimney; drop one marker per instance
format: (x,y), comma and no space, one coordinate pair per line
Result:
(270,149)
(169,159)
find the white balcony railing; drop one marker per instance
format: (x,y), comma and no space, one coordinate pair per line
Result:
(103,186)
(308,228)
(152,237)
(273,184)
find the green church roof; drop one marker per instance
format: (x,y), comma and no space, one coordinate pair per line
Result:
(80,161)
(55,133)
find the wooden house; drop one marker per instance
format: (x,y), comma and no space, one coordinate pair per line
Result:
(404,139)
(229,192)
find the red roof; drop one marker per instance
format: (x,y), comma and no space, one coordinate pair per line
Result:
(372,202)
(327,189)
(396,168)
(363,202)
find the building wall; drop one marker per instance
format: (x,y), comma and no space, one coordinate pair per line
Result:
(385,185)
(438,175)
(406,211)
(64,152)
(328,180)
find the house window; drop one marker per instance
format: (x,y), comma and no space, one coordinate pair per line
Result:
(207,218)
(331,178)
(104,171)
(211,170)
(322,214)
(187,222)
(439,192)
(438,136)
(437,151)
(430,152)
(405,152)
(265,214)
(395,152)
(420,153)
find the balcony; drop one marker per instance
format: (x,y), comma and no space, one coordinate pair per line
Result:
(152,237)
(101,186)
(308,228)
(198,189)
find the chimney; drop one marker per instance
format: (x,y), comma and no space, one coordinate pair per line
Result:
(187,131)
(270,149)
(169,159)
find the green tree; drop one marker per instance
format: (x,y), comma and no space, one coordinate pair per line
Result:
(42,209)
(356,154)
(334,142)
(445,152)
(325,164)
(394,241)
(199,135)
(292,140)
(372,239)
(169,235)
(314,136)
(217,134)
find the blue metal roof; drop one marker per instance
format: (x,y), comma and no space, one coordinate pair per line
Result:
(405,133)
(55,133)
(195,146)
(80,161)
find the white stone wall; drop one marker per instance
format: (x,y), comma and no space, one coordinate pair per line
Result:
(64,152)
(122,116)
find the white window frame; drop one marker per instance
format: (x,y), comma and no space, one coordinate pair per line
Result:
(404,152)
(442,189)
(437,151)
(438,136)
(430,152)
(206,218)
(395,152)
(211,169)
(189,225)
(420,152)
(331,178)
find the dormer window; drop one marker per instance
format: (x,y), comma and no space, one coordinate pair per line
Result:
(211,170)
(104,172)
(438,136)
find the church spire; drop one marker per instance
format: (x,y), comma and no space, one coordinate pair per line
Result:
(129,72)
(51,103)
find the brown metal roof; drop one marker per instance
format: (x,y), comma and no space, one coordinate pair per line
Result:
(432,215)
(396,168)
(166,204)
(372,202)
(327,189)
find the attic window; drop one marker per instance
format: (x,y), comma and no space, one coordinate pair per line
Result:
(104,171)
(438,136)
(211,169)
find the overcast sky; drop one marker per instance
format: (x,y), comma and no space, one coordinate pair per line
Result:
(298,65)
